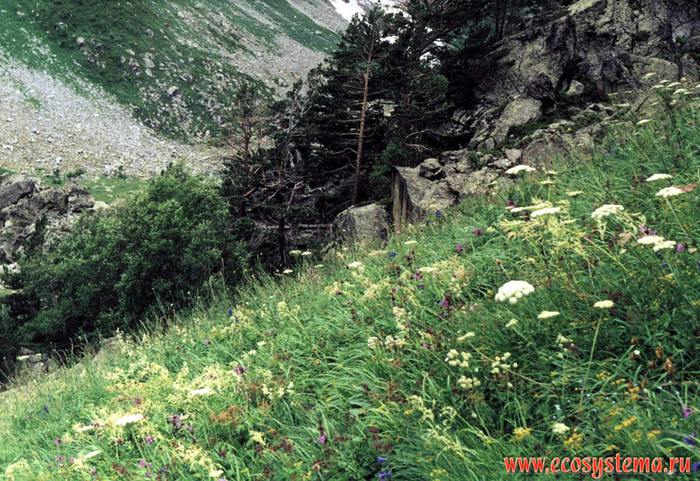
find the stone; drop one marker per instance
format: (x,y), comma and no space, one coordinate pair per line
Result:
(362,224)
(518,112)
(431,169)
(414,196)
(513,155)
(575,89)
(12,192)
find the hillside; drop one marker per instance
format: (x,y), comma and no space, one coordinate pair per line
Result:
(108,83)
(555,318)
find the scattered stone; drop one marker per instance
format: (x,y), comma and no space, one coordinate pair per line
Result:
(575,89)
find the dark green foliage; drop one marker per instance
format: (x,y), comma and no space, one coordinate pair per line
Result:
(114,267)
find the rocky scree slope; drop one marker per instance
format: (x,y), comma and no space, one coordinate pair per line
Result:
(75,77)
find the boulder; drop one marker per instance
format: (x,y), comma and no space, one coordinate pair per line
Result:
(518,112)
(575,89)
(362,224)
(12,192)
(431,169)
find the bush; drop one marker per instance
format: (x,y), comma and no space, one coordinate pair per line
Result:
(115,266)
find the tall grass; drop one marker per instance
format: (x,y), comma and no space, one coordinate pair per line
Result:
(399,362)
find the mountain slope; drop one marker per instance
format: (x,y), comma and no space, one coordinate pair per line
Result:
(174,65)
(402,361)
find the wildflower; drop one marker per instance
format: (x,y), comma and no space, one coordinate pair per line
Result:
(687,412)
(521,433)
(547,314)
(392,254)
(458,359)
(307,254)
(411,242)
(295,252)
(547,211)
(468,383)
(257,437)
(518,169)
(512,323)
(691,440)
(128,419)
(552,173)
(478,232)
(560,428)
(574,193)
(656,177)
(463,338)
(201,392)
(149,440)
(669,192)
(459,248)
(355,265)
(643,121)
(606,210)
(322,439)
(650,240)
(373,342)
(512,291)
(287,271)
(606,304)
(664,245)
(574,441)
(384,475)
(680,248)
(57,441)
(381,460)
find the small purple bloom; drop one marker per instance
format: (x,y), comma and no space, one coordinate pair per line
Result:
(417,276)
(392,254)
(381,460)
(239,370)
(384,475)
(57,441)
(687,411)
(445,303)
(322,439)
(459,248)
(149,439)
(438,214)
(478,232)
(230,311)
(644,230)
(696,466)
(680,248)
(144,464)
(691,440)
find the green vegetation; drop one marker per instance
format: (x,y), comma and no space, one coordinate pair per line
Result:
(402,361)
(113,268)
(138,50)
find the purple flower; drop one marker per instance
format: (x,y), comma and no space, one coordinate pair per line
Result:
(230,311)
(240,370)
(696,466)
(478,232)
(144,464)
(392,254)
(687,411)
(445,303)
(417,276)
(149,439)
(57,441)
(322,439)
(438,214)
(691,440)
(459,248)
(381,460)
(384,475)
(644,230)
(680,248)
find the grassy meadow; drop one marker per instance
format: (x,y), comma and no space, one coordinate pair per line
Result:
(420,359)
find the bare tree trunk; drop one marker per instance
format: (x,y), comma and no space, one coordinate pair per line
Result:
(361,135)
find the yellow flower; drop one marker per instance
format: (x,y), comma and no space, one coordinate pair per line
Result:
(651,435)
(521,433)
(574,441)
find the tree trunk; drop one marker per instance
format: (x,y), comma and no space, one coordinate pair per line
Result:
(361,135)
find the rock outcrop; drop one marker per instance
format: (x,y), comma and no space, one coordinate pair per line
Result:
(593,48)
(25,208)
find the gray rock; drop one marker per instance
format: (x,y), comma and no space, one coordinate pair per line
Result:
(513,155)
(431,169)
(518,112)
(575,89)
(12,192)
(363,224)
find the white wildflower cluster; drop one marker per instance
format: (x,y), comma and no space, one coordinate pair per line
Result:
(400,314)
(657,177)
(669,192)
(657,242)
(513,291)
(606,304)
(547,314)
(606,211)
(520,169)
(468,383)
(564,341)
(560,428)
(512,323)
(390,342)
(456,358)
(545,211)
(500,364)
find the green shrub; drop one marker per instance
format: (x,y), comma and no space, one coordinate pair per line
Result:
(115,266)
